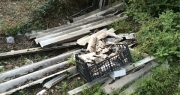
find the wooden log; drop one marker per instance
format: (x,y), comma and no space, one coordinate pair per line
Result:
(64,38)
(87,85)
(5,86)
(29,68)
(35,50)
(128,78)
(71,70)
(55,80)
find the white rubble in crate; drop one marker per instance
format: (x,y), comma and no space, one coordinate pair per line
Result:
(10,40)
(118,73)
(92,44)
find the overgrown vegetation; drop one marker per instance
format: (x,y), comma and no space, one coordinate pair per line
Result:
(47,14)
(162,81)
(14,15)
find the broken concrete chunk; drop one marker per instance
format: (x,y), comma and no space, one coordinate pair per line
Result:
(83,41)
(92,44)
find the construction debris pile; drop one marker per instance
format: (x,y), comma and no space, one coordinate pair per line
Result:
(103,55)
(103,46)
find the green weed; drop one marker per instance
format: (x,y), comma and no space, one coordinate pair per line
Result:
(72,60)
(162,81)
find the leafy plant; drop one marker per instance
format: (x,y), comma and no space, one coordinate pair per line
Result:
(160,37)
(94,90)
(162,81)
(72,60)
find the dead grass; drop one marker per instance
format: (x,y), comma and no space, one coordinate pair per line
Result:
(14,12)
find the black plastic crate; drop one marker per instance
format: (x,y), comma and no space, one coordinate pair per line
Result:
(105,67)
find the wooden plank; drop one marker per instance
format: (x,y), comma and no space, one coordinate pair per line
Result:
(35,50)
(68,37)
(87,85)
(128,78)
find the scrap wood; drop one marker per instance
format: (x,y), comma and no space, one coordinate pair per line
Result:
(70,36)
(87,85)
(71,70)
(30,67)
(6,86)
(35,50)
(128,78)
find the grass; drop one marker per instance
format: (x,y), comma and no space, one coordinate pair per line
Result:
(14,13)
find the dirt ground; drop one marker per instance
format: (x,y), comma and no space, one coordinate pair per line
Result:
(13,12)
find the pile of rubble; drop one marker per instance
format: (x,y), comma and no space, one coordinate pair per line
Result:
(88,31)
